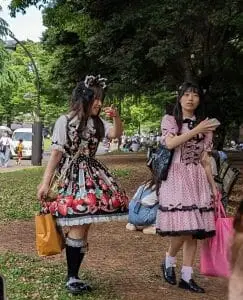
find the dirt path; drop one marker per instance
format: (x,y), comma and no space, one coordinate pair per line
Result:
(128,261)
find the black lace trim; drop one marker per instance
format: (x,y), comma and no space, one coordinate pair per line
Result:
(180,207)
(196,234)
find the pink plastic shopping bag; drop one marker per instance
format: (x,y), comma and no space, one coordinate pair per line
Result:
(214,260)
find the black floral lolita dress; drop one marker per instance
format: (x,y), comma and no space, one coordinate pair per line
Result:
(89,193)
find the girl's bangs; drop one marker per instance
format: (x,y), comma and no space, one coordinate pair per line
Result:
(192,89)
(99,94)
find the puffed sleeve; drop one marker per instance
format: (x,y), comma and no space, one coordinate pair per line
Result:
(168,127)
(107,126)
(59,136)
(208,142)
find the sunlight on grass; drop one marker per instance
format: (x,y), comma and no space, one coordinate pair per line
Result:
(34,278)
(47,144)
(18,193)
(122,173)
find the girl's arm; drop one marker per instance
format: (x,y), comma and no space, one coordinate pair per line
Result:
(117,128)
(54,160)
(51,166)
(205,161)
(173,141)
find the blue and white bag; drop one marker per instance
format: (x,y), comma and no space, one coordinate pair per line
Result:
(141,214)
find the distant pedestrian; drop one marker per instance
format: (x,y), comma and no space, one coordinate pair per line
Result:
(5,145)
(223,156)
(19,150)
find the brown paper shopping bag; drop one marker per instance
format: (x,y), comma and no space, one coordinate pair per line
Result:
(49,239)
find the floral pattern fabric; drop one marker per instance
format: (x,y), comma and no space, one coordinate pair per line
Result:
(89,193)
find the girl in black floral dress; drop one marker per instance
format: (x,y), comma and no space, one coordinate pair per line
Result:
(89,193)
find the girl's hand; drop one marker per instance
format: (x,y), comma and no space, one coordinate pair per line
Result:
(205,126)
(42,191)
(110,111)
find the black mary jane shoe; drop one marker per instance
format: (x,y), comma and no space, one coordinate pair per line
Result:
(77,287)
(191,286)
(169,274)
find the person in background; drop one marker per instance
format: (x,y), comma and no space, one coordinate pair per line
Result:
(19,151)
(5,145)
(236,278)
(143,208)
(222,155)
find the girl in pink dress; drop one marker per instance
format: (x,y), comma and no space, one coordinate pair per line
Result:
(186,210)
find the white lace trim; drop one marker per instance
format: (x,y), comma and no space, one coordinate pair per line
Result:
(89,220)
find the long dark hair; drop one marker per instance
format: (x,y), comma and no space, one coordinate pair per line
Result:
(153,182)
(199,112)
(81,102)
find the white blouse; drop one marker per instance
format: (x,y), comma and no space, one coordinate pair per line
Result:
(59,137)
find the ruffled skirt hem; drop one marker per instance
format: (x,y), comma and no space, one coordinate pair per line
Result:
(75,221)
(196,234)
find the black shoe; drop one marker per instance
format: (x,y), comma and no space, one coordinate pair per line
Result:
(169,274)
(191,286)
(77,287)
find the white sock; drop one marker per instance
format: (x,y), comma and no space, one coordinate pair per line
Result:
(169,261)
(186,273)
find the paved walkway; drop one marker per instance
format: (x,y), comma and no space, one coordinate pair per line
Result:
(26,164)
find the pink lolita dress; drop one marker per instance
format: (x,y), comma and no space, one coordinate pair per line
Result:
(185,203)
(89,194)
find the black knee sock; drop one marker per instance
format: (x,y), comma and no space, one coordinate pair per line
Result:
(74,256)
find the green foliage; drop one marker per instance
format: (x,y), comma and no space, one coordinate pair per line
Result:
(14,105)
(144,46)
(29,277)
(3,27)
(47,144)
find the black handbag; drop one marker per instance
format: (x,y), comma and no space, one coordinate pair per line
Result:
(159,162)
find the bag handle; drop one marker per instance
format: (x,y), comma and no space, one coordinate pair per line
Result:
(219,208)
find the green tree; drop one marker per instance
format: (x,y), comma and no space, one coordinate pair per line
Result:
(146,45)
(18,97)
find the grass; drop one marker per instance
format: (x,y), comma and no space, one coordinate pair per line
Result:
(18,190)
(18,194)
(32,278)
(47,144)
(121,173)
